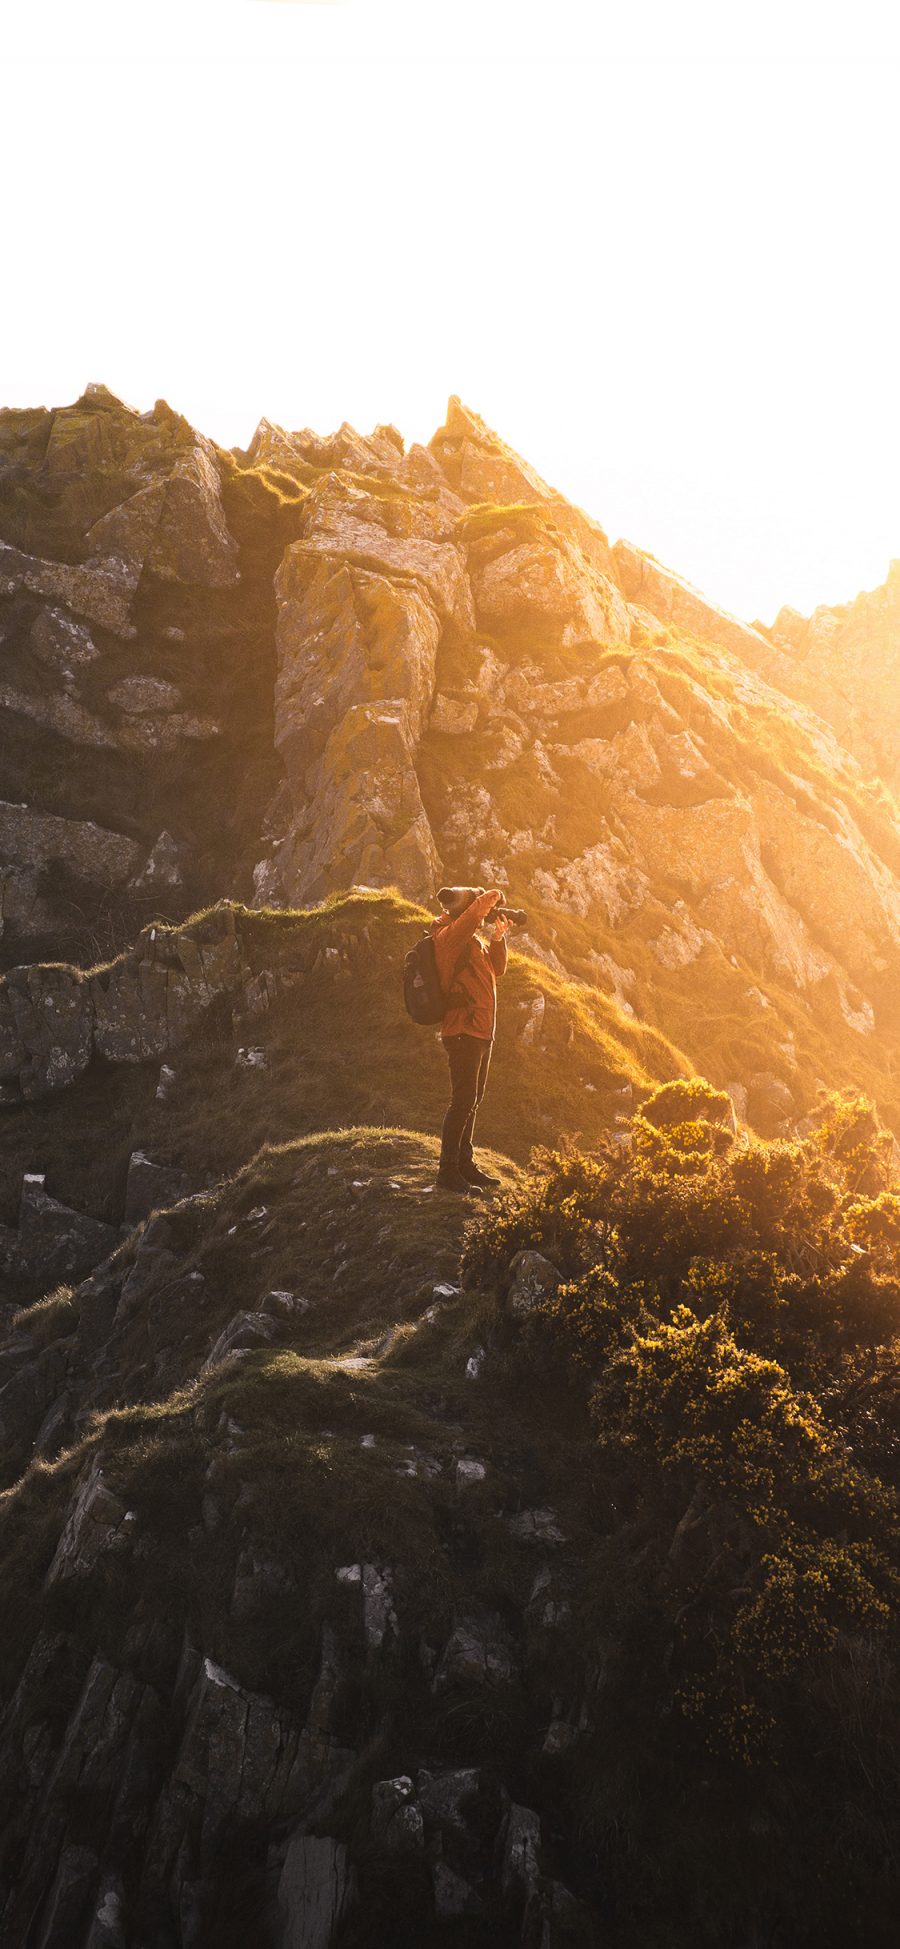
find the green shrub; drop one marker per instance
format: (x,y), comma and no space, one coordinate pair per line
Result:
(685,1101)
(729,1314)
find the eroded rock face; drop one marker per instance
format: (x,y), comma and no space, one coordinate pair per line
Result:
(314,1893)
(97,1523)
(466,682)
(848,656)
(361,612)
(53,1020)
(666,596)
(149,1187)
(34,839)
(544,586)
(55,1244)
(478,465)
(115,547)
(102,590)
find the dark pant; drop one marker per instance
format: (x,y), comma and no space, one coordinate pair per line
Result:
(470,1060)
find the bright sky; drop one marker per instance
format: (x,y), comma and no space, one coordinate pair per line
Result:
(653,243)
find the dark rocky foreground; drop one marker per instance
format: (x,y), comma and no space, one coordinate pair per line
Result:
(289,1663)
(306,1585)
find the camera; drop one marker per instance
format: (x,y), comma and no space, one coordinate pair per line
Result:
(516,916)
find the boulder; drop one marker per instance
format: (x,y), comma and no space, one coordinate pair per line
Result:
(79,439)
(530,1031)
(174,525)
(544,584)
(55,1243)
(377,453)
(29,838)
(454,716)
(101,591)
(150,1187)
(45,1028)
(145,697)
(61,643)
(478,1652)
(533,1279)
(166,1084)
(192,543)
(162,871)
(396,1819)
(244,1333)
(61,714)
(536,1526)
(283,1305)
(379,1613)
(408,539)
(127,530)
(479,465)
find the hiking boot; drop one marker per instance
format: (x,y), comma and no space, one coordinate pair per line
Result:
(449,1180)
(479,1180)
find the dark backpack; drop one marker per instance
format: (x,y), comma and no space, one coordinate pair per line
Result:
(423,995)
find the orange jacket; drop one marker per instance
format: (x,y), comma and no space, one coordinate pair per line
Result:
(470,988)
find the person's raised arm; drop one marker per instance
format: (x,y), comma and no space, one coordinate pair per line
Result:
(468,922)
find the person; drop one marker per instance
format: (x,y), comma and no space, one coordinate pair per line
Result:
(468,970)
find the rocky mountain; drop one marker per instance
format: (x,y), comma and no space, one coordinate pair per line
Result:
(844,662)
(330,662)
(291,1555)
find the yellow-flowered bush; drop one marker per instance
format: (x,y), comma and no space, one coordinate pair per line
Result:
(729,1318)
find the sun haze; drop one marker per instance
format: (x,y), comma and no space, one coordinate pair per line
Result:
(656,255)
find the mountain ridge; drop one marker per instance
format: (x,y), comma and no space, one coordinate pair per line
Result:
(379,1567)
(319,661)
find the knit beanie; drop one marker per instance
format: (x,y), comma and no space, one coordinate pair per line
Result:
(455,900)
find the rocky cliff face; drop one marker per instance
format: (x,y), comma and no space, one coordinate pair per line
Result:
(288,1567)
(845,660)
(322,663)
(136,687)
(246,1624)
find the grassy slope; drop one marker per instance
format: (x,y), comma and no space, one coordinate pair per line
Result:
(310,1463)
(340,1050)
(711,1008)
(278,1438)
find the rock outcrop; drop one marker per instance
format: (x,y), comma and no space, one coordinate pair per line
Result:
(363,599)
(455,676)
(153,1776)
(294,1638)
(846,658)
